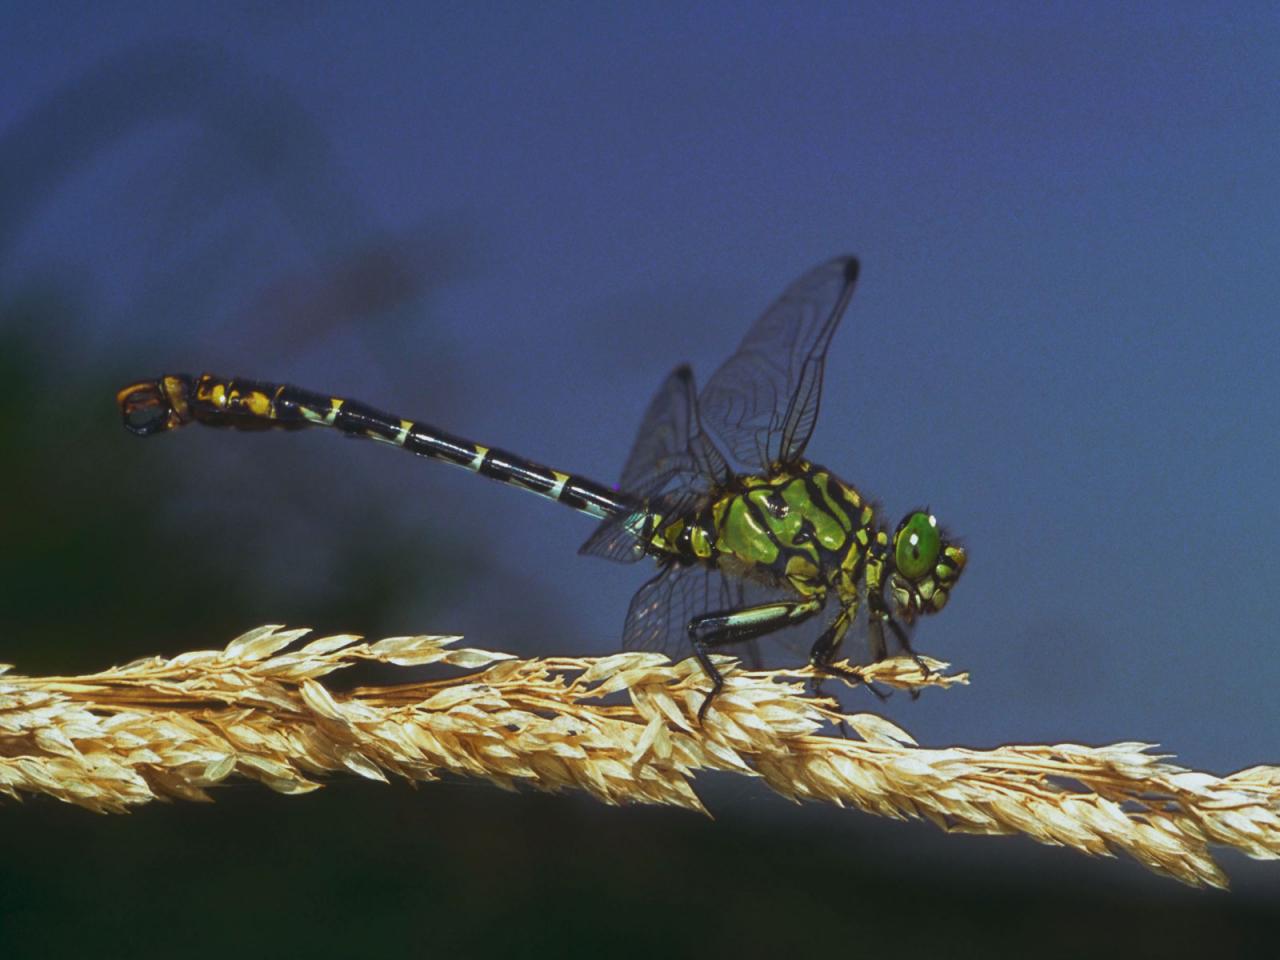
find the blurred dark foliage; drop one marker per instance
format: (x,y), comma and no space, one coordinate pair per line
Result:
(114,550)
(95,568)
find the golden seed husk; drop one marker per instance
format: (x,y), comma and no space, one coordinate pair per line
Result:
(176,728)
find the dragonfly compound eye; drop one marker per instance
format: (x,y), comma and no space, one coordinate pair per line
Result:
(916,545)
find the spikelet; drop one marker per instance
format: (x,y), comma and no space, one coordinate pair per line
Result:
(622,728)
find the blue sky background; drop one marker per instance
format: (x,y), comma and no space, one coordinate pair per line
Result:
(513,220)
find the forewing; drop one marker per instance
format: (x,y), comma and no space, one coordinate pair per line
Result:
(673,463)
(670,448)
(763,402)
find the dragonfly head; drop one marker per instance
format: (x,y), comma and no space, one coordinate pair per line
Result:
(924,565)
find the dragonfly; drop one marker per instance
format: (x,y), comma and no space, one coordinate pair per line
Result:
(750,538)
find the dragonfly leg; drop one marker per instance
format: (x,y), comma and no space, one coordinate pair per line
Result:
(824,651)
(875,633)
(737,626)
(875,637)
(906,645)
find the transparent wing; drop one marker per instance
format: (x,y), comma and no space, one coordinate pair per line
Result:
(763,402)
(672,463)
(622,539)
(659,615)
(671,449)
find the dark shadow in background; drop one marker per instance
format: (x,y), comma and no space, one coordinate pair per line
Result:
(109,554)
(249,131)
(117,548)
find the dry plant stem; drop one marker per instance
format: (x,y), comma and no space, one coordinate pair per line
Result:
(161,729)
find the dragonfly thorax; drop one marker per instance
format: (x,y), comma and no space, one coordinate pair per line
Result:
(801,526)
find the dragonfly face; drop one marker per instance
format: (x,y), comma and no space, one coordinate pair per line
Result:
(924,566)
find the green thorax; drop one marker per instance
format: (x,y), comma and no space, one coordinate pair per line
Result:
(801,525)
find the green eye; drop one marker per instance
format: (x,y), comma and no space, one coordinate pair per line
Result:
(916,546)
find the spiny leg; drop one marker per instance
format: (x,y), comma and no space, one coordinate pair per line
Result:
(879,617)
(875,636)
(879,650)
(824,651)
(906,645)
(737,626)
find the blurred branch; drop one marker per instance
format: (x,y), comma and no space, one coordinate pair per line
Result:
(173,728)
